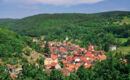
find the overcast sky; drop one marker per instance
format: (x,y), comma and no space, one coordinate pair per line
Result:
(23,8)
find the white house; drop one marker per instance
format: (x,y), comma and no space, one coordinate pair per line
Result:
(112,48)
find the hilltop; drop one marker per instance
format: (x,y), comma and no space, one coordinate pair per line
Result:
(43,24)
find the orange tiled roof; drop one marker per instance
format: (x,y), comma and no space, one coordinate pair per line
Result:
(102,57)
(88,55)
(53,56)
(69,43)
(90,48)
(76,54)
(69,69)
(11,67)
(64,61)
(68,58)
(87,66)
(70,65)
(52,64)
(85,60)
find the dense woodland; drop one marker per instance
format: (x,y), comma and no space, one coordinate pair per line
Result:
(101,29)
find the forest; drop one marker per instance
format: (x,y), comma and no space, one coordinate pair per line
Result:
(102,30)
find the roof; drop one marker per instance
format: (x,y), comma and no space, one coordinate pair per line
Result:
(11,67)
(76,58)
(44,42)
(68,58)
(70,65)
(90,48)
(76,54)
(102,57)
(53,64)
(62,50)
(80,51)
(88,54)
(69,69)
(69,43)
(53,56)
(64,61)
(87,66)
(85,60)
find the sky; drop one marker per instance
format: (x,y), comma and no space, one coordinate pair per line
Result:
(24,8)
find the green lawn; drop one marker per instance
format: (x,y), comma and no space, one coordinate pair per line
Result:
(124,49)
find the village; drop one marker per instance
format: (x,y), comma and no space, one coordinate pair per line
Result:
(71,56)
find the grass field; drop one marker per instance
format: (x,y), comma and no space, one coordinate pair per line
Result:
(124,49)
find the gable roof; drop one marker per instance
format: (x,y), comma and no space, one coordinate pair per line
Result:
(53,56)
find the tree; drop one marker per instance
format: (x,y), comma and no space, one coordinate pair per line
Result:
(46,49)
(82,74)
(4,74)
(56,75)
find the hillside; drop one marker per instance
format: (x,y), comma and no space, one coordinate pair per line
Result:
(43,24)
(84,29)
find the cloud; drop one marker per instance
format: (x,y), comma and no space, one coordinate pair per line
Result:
(56,2)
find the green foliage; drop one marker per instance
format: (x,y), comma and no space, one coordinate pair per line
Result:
(4,74)
(35,46)
(110,69)
(31,72)
(56,75)
(10,43)
(128,42)
(27,52)
(61,64)
(41,61)
(47,49)
(95,29)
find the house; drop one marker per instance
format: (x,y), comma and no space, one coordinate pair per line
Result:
(90,48)
(11,69)
(35,40)
(102,57)
(76,59)
(87,65)
(54,58)
(51,65)
(112,48)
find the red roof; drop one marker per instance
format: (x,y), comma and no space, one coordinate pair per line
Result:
(69,43)
(85,60)
(69,69)
(83,49)
(90,48)
(44,42)
(78,64)
(102,57)
(68,58)
(64,62)
(76,58)
(70,65)
(76,54)
(62,50)
(53,64)
(11,67)
(87,66)
(88,54)
(53,56)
